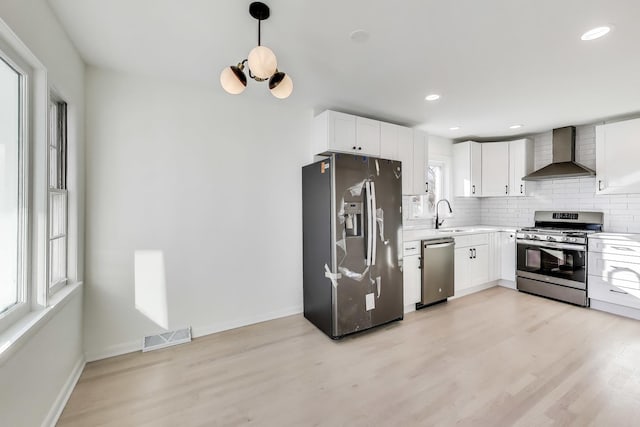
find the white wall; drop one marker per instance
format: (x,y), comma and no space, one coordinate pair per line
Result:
(621,211)
(211,180)
(33,377)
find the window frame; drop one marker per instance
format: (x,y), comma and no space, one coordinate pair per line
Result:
(59,187)
(23,304)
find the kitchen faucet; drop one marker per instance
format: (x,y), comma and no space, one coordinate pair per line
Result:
(438,222)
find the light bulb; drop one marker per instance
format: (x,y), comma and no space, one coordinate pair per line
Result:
(262,62)
(233,80)
(281,85)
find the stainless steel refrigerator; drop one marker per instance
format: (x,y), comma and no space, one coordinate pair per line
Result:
(352,238)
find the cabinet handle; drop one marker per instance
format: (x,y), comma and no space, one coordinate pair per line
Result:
(623,248)
(359,148)
(521,192)
(599,185)
(470,253)
(618,292)
(354,147)
(474,253)
(427,184)
(506,189)
(473,189)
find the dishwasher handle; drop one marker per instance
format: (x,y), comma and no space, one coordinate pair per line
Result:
(438,245)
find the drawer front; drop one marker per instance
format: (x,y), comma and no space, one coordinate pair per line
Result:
(472,240)
(480,239)
(411,248)
(464,241)
(615,247)
(603,291)
(615,268)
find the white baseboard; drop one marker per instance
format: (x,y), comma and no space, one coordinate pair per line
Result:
(507,284)
(65,393)
(200,331)
(474,289)
(114,350)
(197,331)
(615,309)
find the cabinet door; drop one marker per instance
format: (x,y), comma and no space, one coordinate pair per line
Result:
(520,164)
(411,279)
(480,265)
(462,277)
(495,169)
(389,144)
(368,136)
(420,161)
(467,159)
(508,255)
(477,188)
(405,155)
(342,132)
(617,152)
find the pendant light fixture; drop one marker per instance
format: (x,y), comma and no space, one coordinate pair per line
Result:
(261,64)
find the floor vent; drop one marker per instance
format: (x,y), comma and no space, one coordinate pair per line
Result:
(166,339)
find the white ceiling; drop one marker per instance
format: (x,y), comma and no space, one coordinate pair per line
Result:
(495,62)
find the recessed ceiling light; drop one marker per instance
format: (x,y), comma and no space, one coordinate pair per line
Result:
(595,33)
(515,126)
(454,128)
(359,36)
(432,97)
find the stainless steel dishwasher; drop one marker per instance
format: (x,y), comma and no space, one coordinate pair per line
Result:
(437,266)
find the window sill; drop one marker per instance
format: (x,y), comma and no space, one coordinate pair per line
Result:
(19,333)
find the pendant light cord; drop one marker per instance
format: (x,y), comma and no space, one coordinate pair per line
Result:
(259,21)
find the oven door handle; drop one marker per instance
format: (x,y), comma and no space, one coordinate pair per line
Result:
(553,245)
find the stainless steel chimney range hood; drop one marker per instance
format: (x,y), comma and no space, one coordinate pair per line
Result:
(563,161)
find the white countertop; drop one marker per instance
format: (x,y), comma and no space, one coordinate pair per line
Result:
(420,233)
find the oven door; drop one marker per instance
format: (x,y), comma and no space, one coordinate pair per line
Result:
(559,263)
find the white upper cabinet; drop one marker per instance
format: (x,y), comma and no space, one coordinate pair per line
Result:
(389,141)
(467,164)
(495,169)
(334,131)
(520,165)
(617,152)
(420,161)
(367,136)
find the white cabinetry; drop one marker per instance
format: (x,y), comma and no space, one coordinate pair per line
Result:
(467,167)
(411,274)
(520,164)
(614,274)
(471,262)
(396,143)
(508,256)
(334,131)
(495,169)
(420,162)
(617,152)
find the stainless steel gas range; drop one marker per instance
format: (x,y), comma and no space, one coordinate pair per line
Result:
(552,255)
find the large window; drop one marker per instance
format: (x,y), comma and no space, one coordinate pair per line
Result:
(12,185)
(57,194)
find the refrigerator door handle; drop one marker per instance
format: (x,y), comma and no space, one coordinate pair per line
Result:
(374,221)
(367,188)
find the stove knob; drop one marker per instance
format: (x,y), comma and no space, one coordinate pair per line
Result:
(551,239)
(533,237)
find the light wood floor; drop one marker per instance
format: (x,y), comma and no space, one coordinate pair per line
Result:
(495,358)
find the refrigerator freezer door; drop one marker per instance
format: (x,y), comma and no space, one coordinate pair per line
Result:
(370,292)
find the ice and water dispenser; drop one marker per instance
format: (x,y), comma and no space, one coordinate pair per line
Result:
(353,219)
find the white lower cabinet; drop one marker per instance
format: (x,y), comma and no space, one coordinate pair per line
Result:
(411,274)
(471,262)
(508,255)
(614,275)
